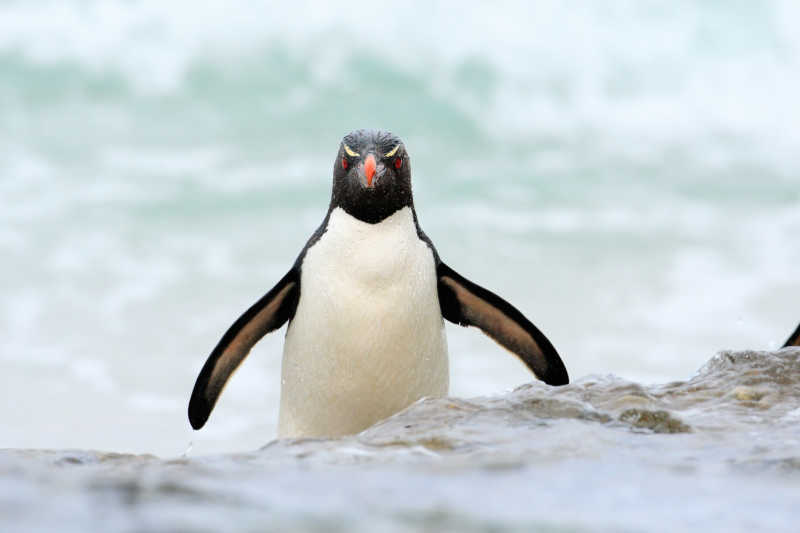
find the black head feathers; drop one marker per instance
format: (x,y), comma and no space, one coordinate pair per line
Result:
(371,175)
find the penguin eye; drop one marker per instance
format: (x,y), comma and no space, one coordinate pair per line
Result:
(398,162)
(345,164)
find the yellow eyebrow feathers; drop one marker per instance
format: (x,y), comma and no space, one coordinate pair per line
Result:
(349,151)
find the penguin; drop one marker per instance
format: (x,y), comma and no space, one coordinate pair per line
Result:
(794,339)
(366,302)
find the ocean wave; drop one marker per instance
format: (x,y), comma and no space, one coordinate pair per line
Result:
(719,439)
(733,392)
(625,175)
(714,76)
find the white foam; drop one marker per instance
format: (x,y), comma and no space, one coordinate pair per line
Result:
(701,72)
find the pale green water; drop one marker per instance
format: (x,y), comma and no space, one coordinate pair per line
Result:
(627,175)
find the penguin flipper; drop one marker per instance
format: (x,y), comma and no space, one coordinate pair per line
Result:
(267,314)
(794,340)
(468,304)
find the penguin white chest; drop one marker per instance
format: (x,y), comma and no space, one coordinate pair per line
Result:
(367,338)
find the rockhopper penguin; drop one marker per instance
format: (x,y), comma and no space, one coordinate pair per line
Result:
(794,339)
(365,301)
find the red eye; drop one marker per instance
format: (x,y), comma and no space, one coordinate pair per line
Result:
(344,163)
(398,162)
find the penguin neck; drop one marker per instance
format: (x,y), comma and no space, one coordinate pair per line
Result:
(370,206)
(342,222)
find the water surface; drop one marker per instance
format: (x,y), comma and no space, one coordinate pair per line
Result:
(719,452)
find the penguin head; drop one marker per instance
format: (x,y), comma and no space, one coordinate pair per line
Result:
(371,175)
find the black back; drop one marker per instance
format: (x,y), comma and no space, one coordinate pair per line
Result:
(794,339)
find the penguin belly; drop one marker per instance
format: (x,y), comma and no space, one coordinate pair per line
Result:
(367,338)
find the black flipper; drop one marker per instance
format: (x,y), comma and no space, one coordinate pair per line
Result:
(267,314)
(794,340)
(467,304)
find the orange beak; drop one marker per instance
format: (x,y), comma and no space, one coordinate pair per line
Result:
(369,169)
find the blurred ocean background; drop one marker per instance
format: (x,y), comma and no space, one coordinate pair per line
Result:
(625,173)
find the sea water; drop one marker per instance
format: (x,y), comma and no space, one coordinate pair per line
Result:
(624,173)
